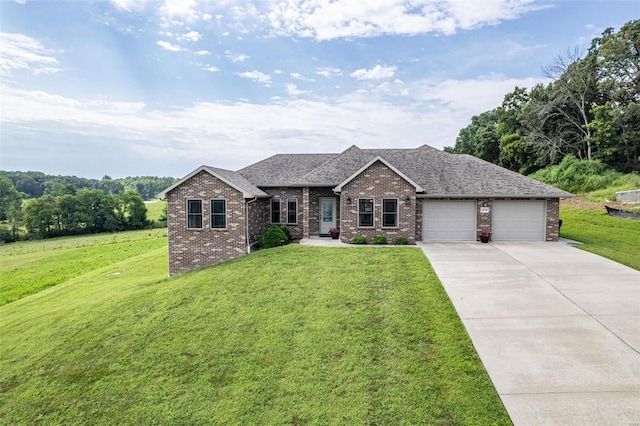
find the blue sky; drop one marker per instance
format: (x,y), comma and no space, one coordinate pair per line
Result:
(127,88)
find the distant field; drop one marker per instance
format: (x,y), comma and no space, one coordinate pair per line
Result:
(292,335)
(611,237)
(155,209)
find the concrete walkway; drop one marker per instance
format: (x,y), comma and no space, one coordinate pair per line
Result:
(557,328)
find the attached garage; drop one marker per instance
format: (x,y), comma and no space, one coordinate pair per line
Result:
(518,220)
(448,220)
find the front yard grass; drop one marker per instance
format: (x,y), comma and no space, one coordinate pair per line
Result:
(611,237)
(291,335)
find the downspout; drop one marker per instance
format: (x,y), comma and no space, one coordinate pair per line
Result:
(246,218)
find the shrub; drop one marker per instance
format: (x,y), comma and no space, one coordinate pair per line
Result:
(359,239)
(379,239)
(287,233)
(272,236)
(401,241)
(578,176)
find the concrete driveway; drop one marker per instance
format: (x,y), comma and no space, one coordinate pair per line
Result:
(557,328)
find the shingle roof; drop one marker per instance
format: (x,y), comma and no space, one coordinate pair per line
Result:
(234,179)
(284,169)
(439,173)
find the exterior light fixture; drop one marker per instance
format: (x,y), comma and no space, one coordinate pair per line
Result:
(349,201)
(407,201)
(484,204)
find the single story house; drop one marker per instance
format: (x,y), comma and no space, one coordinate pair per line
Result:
(422,194)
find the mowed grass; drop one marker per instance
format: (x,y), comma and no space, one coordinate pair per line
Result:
(293,335)
(611,237)
(26,268)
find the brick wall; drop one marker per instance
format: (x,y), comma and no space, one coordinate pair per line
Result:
(190,249)
(553,215)
(258,218)
(296,229)
(378,182)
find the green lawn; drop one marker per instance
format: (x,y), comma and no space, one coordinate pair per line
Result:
(24,271)
(292,335)
(611,237)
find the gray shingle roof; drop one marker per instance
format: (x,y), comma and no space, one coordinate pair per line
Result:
(284,169)
(234,179)
(238,181)
(440,174)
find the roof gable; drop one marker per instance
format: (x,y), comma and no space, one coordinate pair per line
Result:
(231,178)
(369,164)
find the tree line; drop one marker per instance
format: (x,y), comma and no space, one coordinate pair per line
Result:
(36,184)
(64,210)
(589,110)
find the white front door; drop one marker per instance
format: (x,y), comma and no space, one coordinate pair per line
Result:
(327,214)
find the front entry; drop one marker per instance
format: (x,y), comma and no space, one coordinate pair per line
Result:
(327,214)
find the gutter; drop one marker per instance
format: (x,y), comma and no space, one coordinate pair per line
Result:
(246,220)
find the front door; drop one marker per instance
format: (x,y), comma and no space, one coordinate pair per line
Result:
(327,214)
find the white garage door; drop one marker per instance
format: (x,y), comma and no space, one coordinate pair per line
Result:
(518,221)
(448,220)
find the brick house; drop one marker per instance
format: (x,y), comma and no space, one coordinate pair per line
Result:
(422,194)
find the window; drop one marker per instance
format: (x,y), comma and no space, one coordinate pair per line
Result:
(292,210)
(365,213)
(389,212)
(275,210)
(219,213)
(194,214)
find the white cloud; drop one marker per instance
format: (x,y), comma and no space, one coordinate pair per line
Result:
(516,49)
(22,53)
(129,5)
(326,20)
(329,72)
(256,76)
(235,57)
(202,52)
(431,112)
(292,90)
(191,36)
(298,76)
(168,46)
(376,73)
(210,68)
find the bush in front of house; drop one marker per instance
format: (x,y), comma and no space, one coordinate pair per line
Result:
(359,239)
(287,233)
(273,236)
(401,241)
(379,239)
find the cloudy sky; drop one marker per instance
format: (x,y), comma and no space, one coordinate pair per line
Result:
(131,87)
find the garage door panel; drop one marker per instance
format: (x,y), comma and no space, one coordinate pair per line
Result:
(518,220)
(449,220)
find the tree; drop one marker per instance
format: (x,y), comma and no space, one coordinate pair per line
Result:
(39,216)
(479,138)
(9,197)
(135,212)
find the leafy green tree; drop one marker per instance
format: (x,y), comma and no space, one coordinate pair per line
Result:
(39,217)
(479,138)
(9,197)
(135,212)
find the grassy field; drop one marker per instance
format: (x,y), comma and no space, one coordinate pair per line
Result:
(155,209)
(611,237)
(28,267)
(293,335)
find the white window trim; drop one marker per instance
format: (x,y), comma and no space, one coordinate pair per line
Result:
(201,213)
(296,216)
(226,216)
(397,213)
(373,213)
(271,210)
